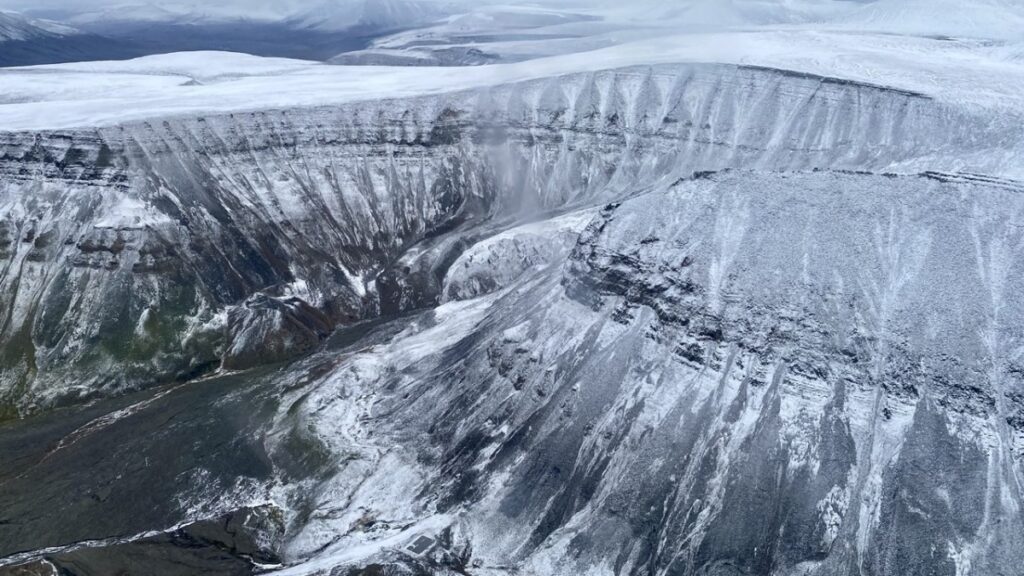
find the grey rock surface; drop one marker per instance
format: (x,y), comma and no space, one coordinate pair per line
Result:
(706,320)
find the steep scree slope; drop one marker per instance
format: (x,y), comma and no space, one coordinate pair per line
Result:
(148,252)
(697,320)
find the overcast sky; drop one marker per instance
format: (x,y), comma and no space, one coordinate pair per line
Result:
(179,5)
(242,7)
(291,6)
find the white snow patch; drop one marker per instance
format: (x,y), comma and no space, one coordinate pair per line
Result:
(129,212)
(103,94)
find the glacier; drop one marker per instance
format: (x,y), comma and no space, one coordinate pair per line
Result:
(746,302)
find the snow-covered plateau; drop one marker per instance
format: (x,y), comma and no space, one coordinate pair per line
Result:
(736,303)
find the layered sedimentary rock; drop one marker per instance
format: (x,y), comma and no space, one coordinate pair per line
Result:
(123,248)
(670,320)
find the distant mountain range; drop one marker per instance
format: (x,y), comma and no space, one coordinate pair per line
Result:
(455,32)
(15,26)
(129,31)
(28,41)
(372,14)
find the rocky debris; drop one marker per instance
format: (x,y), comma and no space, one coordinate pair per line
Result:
(265,330)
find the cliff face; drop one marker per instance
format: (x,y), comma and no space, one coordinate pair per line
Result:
(762,375)
(747,373)
(695,320)
(129,253)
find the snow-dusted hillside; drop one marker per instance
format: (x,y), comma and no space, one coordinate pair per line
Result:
(371,14)
(747,301)
(16,27)
(513,33)
(492,33)
(140,13)
(993,19)
(305,29)
(27,41)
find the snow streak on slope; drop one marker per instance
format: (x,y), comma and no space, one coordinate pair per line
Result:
(756,310)
(201,241)
(604,414)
